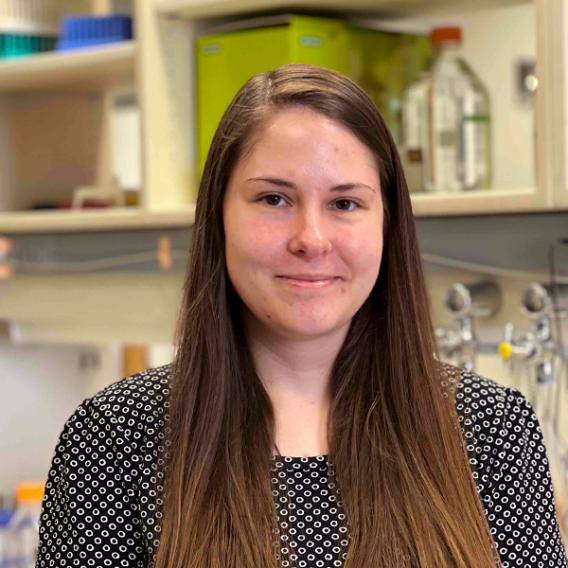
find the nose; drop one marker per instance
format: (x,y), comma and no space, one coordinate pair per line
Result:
(308,236)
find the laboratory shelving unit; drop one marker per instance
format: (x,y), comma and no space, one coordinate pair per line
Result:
(544,190)
(82,71)
(54,113)
(212,8)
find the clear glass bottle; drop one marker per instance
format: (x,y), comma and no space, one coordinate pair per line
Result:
(453,119)
(415,117)
(460,120)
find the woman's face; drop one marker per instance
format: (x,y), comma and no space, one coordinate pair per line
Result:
(303,220)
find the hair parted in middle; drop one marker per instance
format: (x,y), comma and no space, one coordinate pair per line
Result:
(398,453)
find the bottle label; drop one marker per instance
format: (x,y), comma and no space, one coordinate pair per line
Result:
(474,142)
(444,120)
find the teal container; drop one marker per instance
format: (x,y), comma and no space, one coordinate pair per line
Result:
(15,45)
(383,63)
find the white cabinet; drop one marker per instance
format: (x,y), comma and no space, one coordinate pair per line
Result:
(558,24)
(498,36)
(56,135)
(530,152)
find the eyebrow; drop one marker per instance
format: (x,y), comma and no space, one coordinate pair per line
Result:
(285,183)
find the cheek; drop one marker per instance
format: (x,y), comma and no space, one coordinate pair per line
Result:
(254,245)
(363,252)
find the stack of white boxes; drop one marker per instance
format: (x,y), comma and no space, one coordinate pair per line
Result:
(33,17)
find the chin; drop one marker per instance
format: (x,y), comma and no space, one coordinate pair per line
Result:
(310,329)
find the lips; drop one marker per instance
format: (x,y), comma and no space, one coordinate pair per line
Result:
(310,277)
(309,281)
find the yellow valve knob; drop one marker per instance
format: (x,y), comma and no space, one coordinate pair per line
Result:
(505,350)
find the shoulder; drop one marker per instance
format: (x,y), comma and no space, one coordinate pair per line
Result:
(490,413)
(480,398)
(127,412)
(503,436)
(507,453)
(104,474)
(491,405)
(142,394)
(497,421)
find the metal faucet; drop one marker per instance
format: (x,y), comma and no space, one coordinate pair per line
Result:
(537,345)
(466,302)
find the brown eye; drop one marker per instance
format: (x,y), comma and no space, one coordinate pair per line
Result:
(273,199)
(345,204)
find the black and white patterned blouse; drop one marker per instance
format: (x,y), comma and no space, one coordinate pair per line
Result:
(104,490)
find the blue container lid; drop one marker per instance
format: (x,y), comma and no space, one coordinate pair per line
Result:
(78,28)
(89,31)
(5,516)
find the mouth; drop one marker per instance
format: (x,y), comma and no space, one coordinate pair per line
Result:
(309,282)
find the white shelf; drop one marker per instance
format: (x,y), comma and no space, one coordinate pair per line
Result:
(28,222)
(484,202)
(80,70)
(479,202)
(219,8)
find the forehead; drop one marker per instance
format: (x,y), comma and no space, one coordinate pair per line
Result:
(299,141)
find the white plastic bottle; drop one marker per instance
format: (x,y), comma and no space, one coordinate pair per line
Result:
(23,527)
(6,561)
(448,111)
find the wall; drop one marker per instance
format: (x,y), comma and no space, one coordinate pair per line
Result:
(40,387)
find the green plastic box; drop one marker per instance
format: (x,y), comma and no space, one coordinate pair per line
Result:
(383,63)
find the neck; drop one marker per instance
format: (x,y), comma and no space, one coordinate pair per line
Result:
(296,375)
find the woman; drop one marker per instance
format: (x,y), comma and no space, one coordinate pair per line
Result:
(305,420)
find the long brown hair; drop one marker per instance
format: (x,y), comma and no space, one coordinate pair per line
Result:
(399,457)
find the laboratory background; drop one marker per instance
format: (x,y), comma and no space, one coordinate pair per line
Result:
(107,109)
